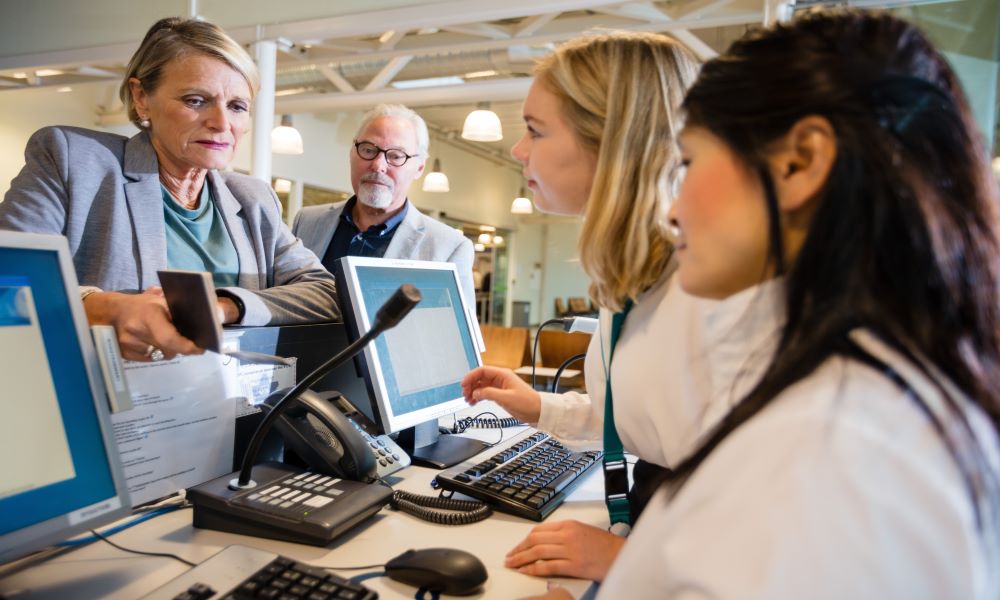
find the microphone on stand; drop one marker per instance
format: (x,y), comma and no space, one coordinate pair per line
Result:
(388,316)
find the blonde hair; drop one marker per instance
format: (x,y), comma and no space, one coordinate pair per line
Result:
(621,95)
(171,38)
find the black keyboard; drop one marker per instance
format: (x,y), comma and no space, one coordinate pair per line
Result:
(530,477)
(239,572)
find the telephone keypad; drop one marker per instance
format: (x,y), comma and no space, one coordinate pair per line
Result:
(389,457)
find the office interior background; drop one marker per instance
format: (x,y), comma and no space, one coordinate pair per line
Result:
(61,62)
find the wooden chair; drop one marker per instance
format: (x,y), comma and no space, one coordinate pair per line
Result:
(561,309)
(505,346)
(555,347)
(578,306)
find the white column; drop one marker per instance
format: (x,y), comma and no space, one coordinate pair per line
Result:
(294,201)
(263,110)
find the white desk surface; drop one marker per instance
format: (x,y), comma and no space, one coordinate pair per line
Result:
(101,571)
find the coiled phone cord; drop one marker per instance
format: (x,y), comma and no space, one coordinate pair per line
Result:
(429,508)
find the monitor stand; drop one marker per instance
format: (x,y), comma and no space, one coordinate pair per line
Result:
(428,448)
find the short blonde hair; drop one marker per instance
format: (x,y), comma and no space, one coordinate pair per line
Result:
(172,38)
(621,95)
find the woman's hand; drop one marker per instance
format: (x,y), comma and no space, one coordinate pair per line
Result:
(141,321)
(556,593)
(566,549)
(505,388)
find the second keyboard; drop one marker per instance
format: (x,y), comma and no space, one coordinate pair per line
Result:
(530,477)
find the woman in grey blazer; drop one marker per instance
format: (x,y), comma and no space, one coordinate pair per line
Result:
(129,207)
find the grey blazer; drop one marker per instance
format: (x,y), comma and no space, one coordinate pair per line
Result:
(419,237)
(102,191)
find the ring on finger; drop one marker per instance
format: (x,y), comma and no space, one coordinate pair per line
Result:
(149,350)
(156,355)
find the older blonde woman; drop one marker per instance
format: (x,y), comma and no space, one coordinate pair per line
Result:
(131,206)
(601,116)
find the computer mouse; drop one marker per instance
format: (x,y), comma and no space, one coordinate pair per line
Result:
(444,570)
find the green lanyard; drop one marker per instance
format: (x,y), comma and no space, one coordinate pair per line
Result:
(615,469)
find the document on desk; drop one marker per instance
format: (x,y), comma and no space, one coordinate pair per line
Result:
(179,432)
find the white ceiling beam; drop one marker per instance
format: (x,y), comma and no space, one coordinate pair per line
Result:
(433,15)
(696,8)
(390,70)
(532,24)
(497,90)
(695,44)
(388,42)
(641,11)
(335,78)
(564,33)
(342,45)
(480,30)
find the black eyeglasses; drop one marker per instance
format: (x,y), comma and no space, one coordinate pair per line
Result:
(393,156)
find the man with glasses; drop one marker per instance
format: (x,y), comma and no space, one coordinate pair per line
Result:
(389,153)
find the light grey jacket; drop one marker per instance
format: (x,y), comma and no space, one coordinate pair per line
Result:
(102,191)
(418,237)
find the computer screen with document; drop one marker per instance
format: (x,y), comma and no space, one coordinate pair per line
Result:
(59,471)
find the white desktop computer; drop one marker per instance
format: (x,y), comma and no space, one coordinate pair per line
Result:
(413,373)
(59,470)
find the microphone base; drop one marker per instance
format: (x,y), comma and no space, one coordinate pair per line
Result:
(251,512)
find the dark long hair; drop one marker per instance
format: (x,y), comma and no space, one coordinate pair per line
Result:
(903,238)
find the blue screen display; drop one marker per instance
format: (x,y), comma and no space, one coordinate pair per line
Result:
(91,481)
(424,358)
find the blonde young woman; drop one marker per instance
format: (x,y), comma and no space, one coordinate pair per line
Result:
(601,116)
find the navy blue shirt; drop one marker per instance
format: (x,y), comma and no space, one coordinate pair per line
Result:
(349,240)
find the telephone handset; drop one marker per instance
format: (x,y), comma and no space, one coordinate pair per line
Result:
(331,442)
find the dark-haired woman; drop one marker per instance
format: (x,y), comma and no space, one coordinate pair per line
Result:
(834,176)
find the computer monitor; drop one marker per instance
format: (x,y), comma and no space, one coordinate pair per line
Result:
(59,470)
(413,372)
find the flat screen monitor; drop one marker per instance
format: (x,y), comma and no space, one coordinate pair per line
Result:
(414,371)
(59,470)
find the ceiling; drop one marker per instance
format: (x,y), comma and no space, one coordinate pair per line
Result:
(483,49)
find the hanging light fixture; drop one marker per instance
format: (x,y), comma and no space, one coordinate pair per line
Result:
(522,205)
(482,125)
(485,238)
(479,247)
(286,139)
(436,181)
(498,240)
(282,186)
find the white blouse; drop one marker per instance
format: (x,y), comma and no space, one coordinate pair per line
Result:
(665,393)
(840,488)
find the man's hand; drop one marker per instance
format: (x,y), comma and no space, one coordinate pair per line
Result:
(566,549)
(505,388)
(141,321)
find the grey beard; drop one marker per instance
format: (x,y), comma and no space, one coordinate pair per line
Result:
(375,196)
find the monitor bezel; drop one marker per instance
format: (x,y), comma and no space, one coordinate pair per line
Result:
(56,529)
(358,324)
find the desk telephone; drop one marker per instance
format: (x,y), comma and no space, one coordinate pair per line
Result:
(334,438)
